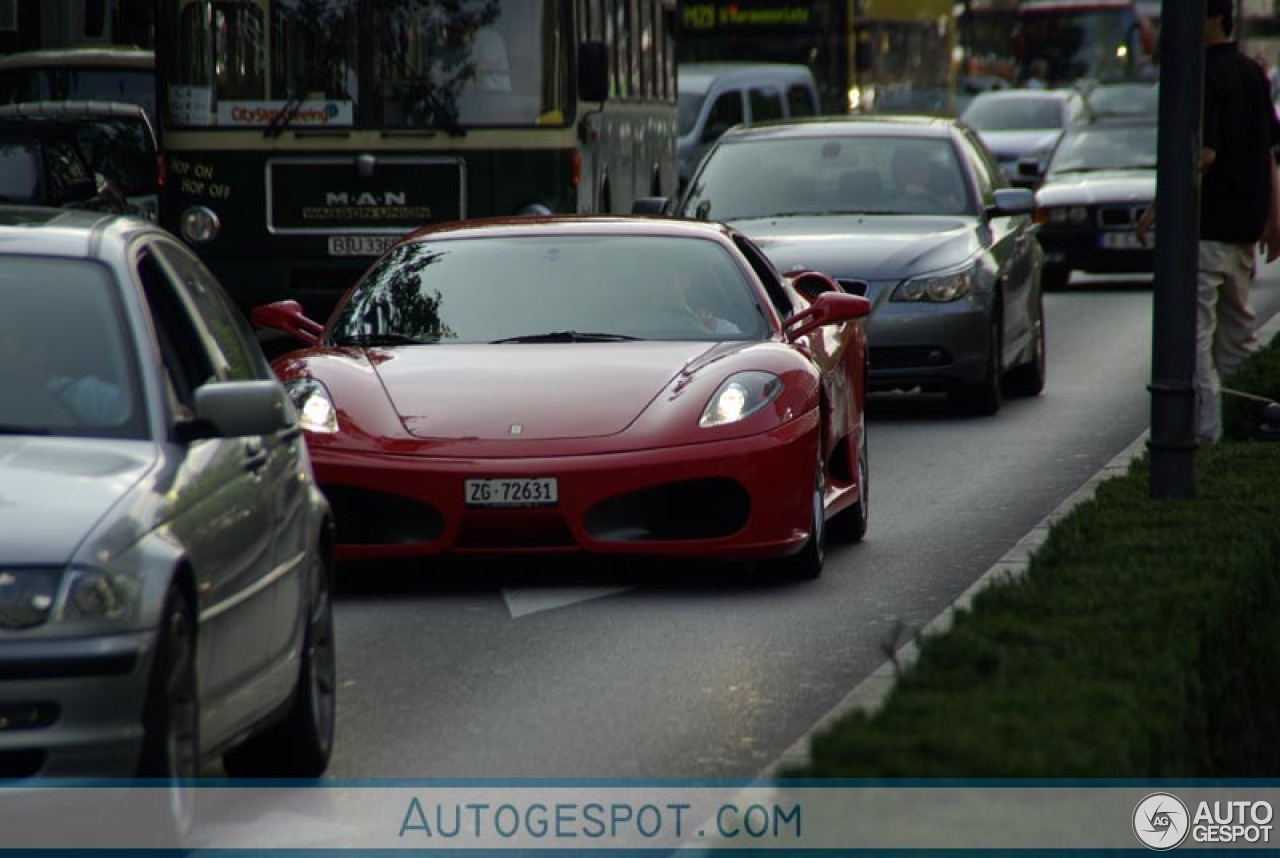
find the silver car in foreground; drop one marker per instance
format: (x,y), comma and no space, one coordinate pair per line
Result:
(165,557)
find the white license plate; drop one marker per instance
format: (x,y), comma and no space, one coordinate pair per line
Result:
(1121,241)
(534,491)
(360,245)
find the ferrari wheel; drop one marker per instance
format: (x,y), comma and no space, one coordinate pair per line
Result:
(851,524)
(807,564)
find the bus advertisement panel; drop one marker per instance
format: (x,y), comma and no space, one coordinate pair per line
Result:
(303,137)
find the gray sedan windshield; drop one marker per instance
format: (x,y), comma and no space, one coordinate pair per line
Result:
(829,175)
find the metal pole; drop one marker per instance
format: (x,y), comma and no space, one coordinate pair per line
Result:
(1173,347)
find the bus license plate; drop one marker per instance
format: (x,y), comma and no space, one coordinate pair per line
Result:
(360,245)
(538,491)
(1121,241)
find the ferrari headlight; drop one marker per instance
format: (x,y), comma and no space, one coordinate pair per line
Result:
(33,597)
(739,397)
(936,288)
(315,406)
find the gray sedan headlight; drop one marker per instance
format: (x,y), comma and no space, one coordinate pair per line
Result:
(936,288)
(739,397)
(315,406)
(33,597)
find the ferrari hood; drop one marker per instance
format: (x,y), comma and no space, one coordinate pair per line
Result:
(54,491)
(864,247)
(529,391)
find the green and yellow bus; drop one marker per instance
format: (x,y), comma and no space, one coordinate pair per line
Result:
(304,136)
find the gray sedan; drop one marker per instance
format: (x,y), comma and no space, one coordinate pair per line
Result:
(165,557)
(914,213)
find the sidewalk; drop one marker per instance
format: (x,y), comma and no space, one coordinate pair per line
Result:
(870,694)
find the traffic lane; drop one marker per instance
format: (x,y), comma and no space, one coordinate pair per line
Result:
(699,672)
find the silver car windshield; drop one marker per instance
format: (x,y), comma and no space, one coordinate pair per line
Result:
(67,363)
(553,289)
(829,175)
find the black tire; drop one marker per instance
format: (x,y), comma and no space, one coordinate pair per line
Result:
(806,565)
(850,525)
(1028,379)
(1054,277)
(171,716)
(300,745)
(983,398)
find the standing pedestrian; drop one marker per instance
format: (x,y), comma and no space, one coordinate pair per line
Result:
(1239,210)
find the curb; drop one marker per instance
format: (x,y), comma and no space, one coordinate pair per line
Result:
(871,693)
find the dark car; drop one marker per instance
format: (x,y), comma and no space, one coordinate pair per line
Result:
(1101,177)
(913,211)
(1022,124)
(41,163)
(165,555)
(116,138)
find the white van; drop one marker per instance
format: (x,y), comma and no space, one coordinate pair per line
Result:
(713,97)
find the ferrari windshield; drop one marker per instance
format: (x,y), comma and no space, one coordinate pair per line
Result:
(553,289)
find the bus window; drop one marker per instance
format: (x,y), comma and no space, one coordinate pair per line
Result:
(337,126)
(474,64)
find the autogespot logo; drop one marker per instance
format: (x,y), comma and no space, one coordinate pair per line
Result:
(1161,822)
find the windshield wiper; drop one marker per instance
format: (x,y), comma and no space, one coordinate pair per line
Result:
(281,120)
(567,337)
(389,339)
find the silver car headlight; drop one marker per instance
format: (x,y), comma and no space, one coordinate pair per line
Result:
(936,288)
(739,397)
(314,404)
(33,597)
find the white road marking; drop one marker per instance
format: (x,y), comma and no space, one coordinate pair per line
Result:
(522,601)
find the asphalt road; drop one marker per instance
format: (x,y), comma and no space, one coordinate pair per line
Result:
(576,669)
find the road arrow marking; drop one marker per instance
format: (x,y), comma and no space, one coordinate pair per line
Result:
(522,601)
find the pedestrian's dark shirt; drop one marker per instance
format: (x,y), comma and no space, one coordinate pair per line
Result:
(1240,125)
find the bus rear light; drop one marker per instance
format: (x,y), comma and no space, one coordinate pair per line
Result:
(575,169)
(161,170)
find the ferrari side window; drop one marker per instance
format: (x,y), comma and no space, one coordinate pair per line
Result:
(768,276)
